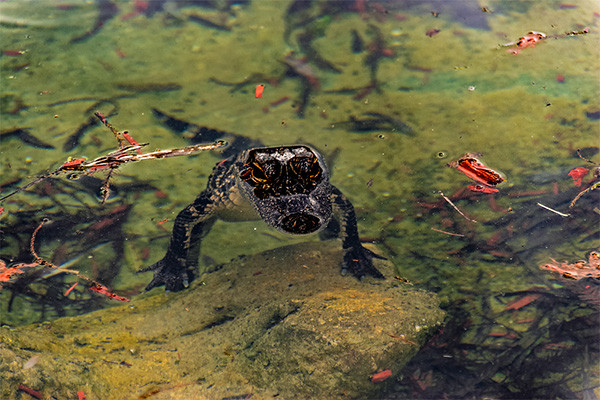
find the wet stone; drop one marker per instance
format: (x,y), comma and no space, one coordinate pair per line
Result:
(280,322)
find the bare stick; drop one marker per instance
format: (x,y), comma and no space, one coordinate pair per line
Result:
(120,139)
(456,208)
(106,186)
(38,180)
(176,152)
(39,260)
(583,158)
(553,210)
(447,233)
(94,285)
(594,186)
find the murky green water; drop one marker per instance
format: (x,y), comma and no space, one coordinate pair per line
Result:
(387,98)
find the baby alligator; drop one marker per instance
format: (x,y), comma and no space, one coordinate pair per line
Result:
(288,187)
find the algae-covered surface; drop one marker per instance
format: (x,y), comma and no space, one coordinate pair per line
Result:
(389,92)
(276,323)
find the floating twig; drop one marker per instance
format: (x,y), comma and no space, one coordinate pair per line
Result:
(447,233)
(124,154)
(532,38)
(553,210)
(456,208)
(575,33)
(594,186)
(402,338)
(578,151)
(39,261)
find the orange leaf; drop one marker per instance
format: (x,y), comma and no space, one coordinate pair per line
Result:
(522,302)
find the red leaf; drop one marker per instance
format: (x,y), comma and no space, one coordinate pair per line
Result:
(259,91)
(522,302)
(381,376)
(472,167)
(577,174)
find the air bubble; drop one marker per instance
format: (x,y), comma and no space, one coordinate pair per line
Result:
(441,154)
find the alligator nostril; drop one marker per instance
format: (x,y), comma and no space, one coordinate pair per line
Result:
(300,223)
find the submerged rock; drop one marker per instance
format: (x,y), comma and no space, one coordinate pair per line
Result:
(280,322)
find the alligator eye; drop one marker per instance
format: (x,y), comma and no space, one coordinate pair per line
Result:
(300,223)
(258,174)
(271,169)
(315,169)
(300,165)
(268,171)
(306,168)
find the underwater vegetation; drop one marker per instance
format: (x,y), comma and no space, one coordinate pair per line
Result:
(465,135)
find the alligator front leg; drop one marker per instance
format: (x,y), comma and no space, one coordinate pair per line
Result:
(176,269)
(357,259)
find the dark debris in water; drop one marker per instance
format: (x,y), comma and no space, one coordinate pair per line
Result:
(24,136)
(530,364)
(536,337)
(593,115)
(74,233)
(375,122)
(586,152)
(108,10)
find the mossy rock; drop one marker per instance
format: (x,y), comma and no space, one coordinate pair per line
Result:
(280,322)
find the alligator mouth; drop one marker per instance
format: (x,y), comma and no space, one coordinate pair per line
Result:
(300,223)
